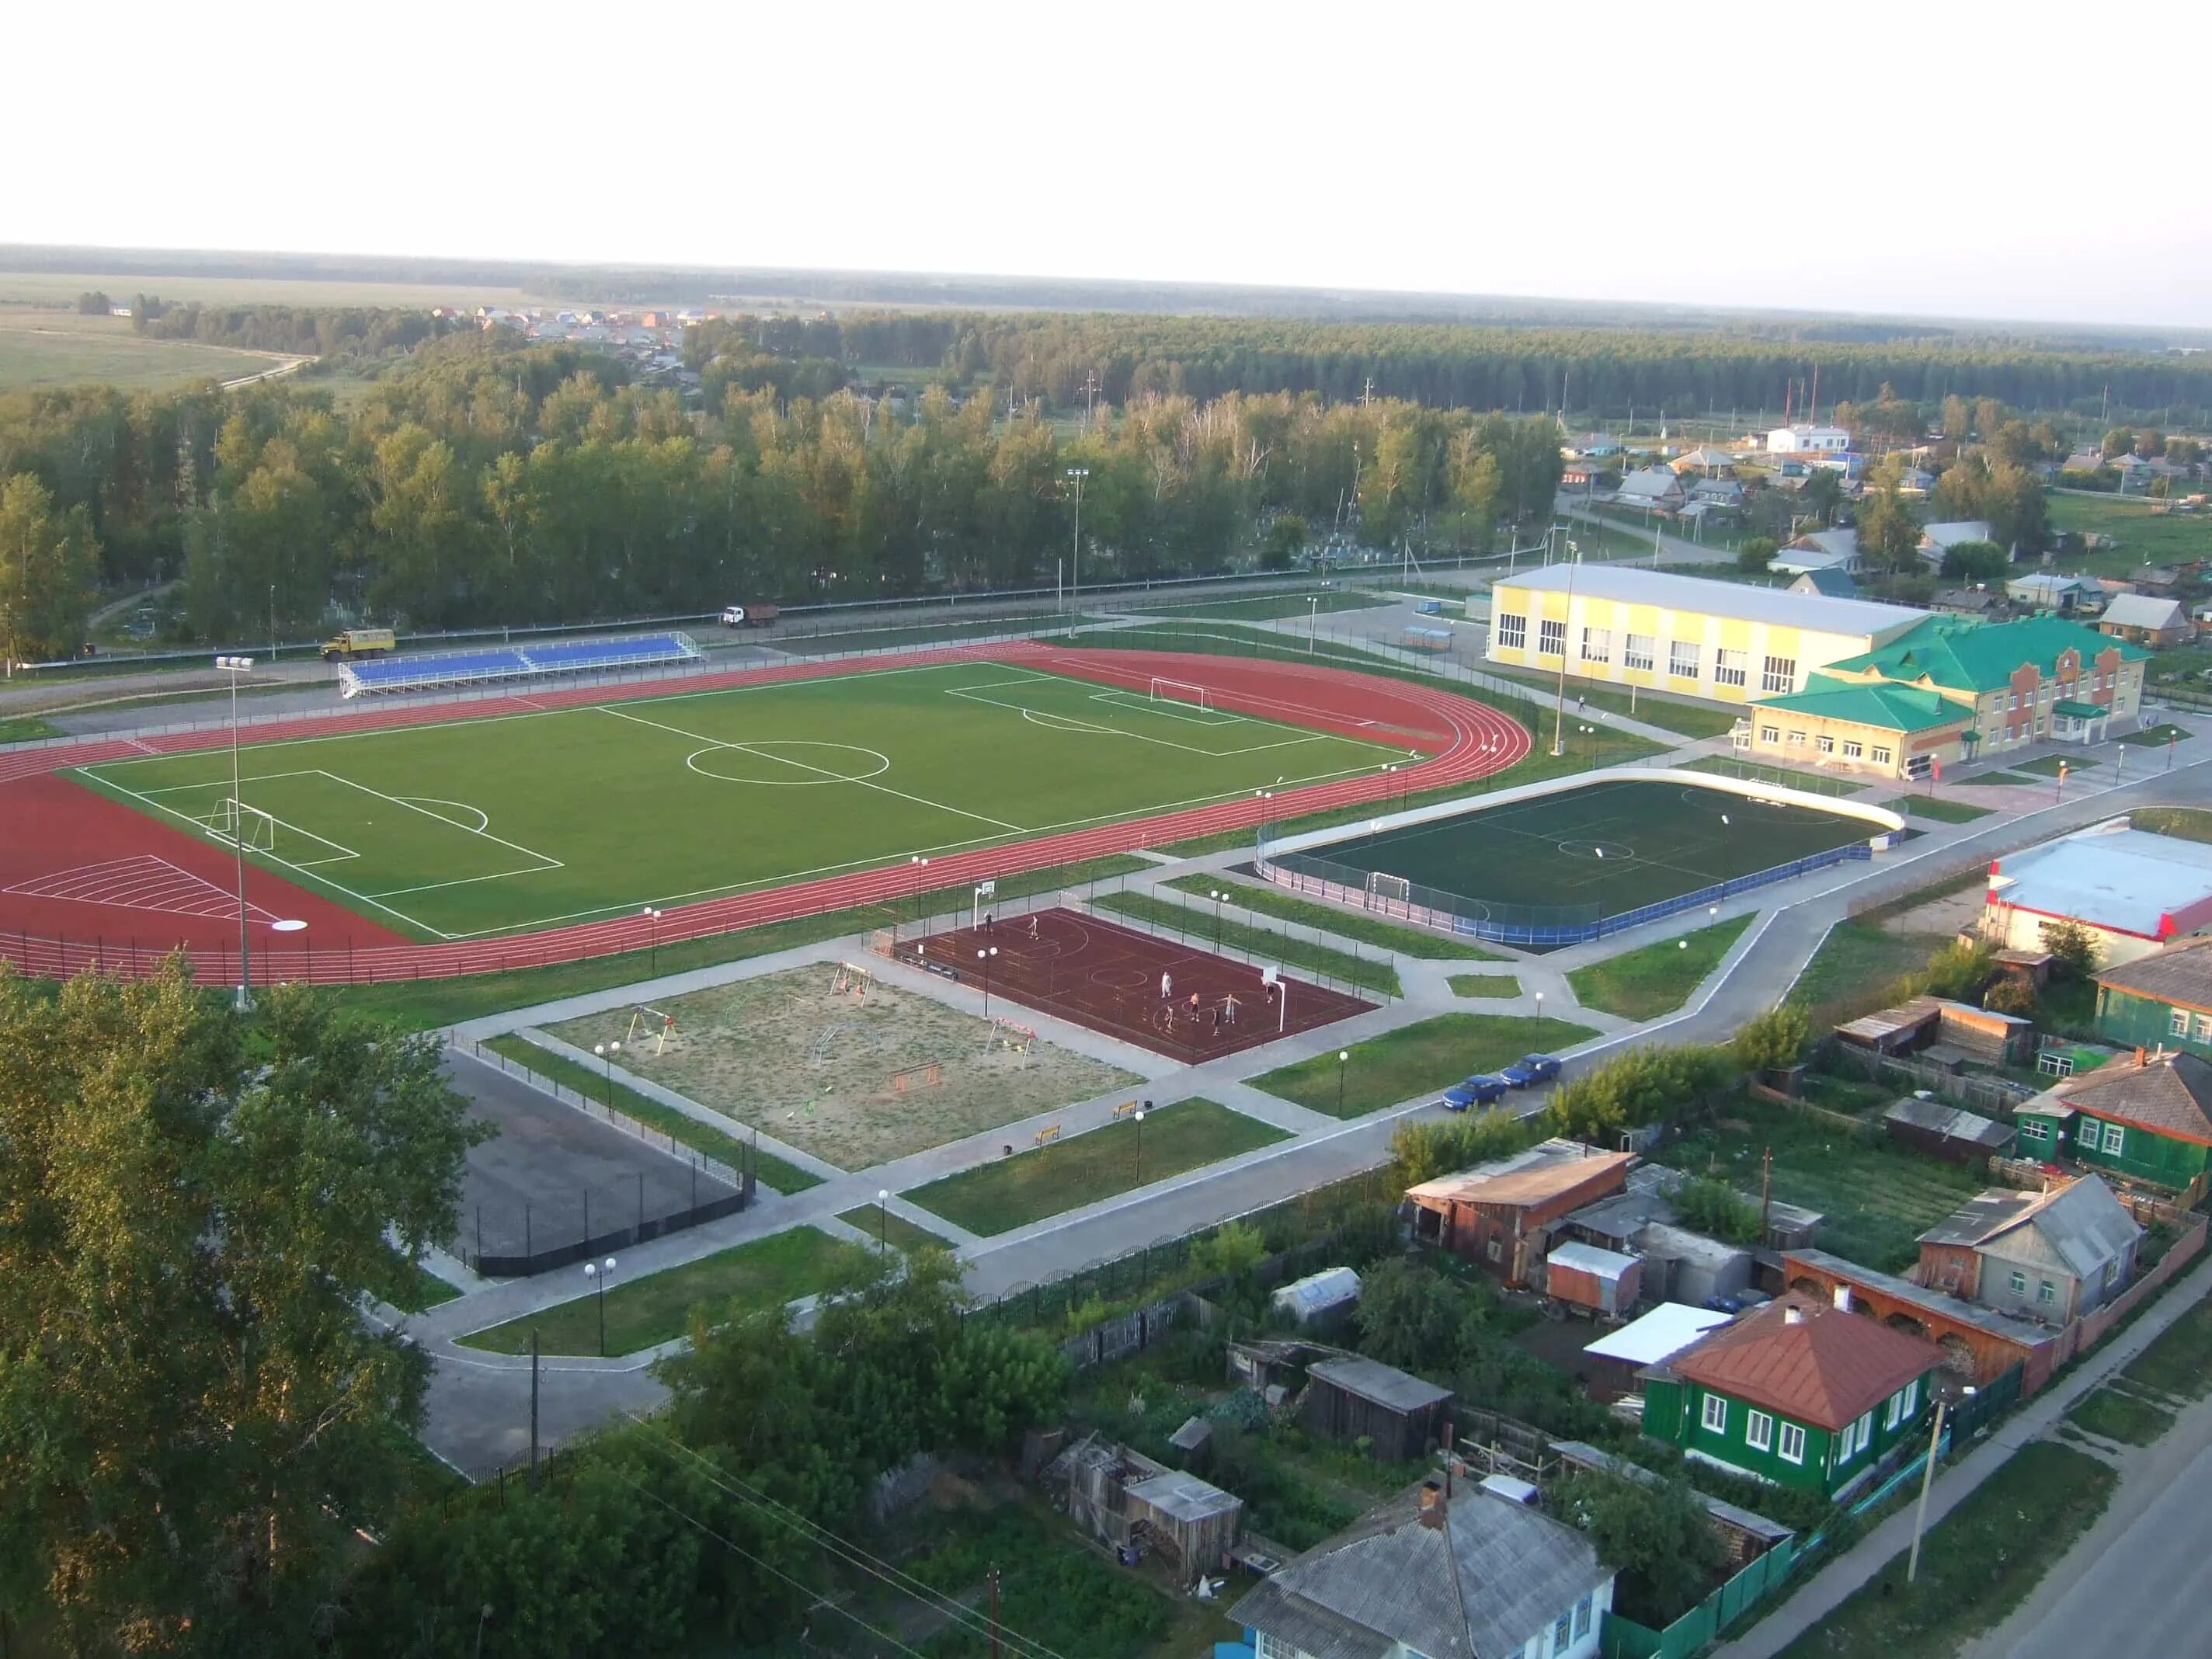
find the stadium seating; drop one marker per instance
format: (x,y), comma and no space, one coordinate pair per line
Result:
(517,662)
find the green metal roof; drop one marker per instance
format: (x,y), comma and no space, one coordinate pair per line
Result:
(2081,711)
(1890,707)
(1962,654)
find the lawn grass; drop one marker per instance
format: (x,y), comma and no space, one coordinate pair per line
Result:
(1657,978)
(2185,823)
(2178,1360)
(643,1313)
(26,728)
(1484,985)
(2047,766)
(1977,1564)
(2014,778)
(1691,720)
(2165,731)
(1417,1060)
(776,1174)
(1269,607)
(2118,1414)
(1938,808)
(426,1005)
(831,641)
(1345,924)
(1857,961)
(1253,942)
(41,348)
(886,1226)
(1786,777)
(1877,1198)
(996,1198)
(2145,536)
(426,1291)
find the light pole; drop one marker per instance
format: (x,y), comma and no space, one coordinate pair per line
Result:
(1141,1147)
(1259,829)
(1566,628)
(1217,898)
(1343,1059)
(653,919)
(235,667)
(1591,732)
(596,1274)
(1927,1480)
(883,1221)
(1313,620)
(1075,557)
(984,957)
(1540,1005)
(607,1052)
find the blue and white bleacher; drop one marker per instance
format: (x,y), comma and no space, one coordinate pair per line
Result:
(517,662)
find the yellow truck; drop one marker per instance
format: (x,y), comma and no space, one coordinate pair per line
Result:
(359,643)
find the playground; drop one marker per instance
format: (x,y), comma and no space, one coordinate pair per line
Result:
(830,1060)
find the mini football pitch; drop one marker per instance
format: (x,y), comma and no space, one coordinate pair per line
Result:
(1600,850)
(527,820)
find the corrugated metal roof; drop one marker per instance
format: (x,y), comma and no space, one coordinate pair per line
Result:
(1589,1259)
(1940,1117)
(1885,708)
(1184,1497)
(1826,1366)
(1634,586)
(1963,654)
(1660,1334)
(2145,610)
(1530,1183)
(1384,1385)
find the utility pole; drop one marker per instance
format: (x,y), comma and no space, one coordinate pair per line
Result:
(533,1408)
(994,1610)
(1765,1190)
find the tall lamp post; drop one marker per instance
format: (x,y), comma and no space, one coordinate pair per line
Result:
(1141,1147)
(1313,620)
(1566,628)
(607,1052)
(984,957)
(596,1274)
(1217,898)
(652,919)
(1928,1478)
(883,1221)
(236,667)
(1343,1059)
(1076,476)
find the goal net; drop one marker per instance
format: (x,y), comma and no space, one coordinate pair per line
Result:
(1179,691)
(1389,887)
(235,822)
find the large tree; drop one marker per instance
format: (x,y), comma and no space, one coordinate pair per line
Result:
(194,1414)
(48,564)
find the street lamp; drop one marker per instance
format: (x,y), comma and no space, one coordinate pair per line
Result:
(235,667)
(1217,898)
(1928,1477)
(596,1274)
(1075,557)
(607,1052)
(984,957)
(653,918)
(1591,732)
(1141,1147)
(1313,620)
(883,1221)
(1540,1005)
(1343,1059)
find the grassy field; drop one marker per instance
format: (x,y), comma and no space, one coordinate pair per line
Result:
(2145,536)
(2188,823)
(996,1198)
(2047,766)
(2158,736)
(1607,849)
(2118,1413)
(888,1228)
(1234,938)
(1417,1060)
(1878,1200)
(1328,918)
(50,288)
(428,1292)
(1858,959)
(833,641)
(1269,607)
(1787,777)
(1977,1564)
(777,1175)
(481,827)
(57,348)
(1484,985)
(26,728)
(2178,1360)
(1936,809)
(1691,720)
(1658,978)
(643,1313)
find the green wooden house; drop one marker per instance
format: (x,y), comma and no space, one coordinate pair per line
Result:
(2145,1116)
(2160,1000)
(1801,1393)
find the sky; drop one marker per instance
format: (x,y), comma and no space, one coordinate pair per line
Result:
(1960,159)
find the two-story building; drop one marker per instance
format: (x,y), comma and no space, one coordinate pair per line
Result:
(2145,1116)
(2051,1255)
(1800,1392)
(1471,1576)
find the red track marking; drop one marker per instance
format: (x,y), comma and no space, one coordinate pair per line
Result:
(1106,977)
(142,882)
(72,826)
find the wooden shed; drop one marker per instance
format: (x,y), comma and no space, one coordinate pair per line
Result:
(1124,1499)
(1400,1416)
(1943,1130)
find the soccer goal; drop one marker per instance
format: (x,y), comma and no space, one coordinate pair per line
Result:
(1179,691)
(1395,888)
(235,823)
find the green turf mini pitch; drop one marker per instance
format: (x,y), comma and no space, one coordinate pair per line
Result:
(527,820)
(1615,846)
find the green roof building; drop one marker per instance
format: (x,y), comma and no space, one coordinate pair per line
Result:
(2144,1117)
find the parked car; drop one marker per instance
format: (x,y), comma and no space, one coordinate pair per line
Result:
(1484,1089)
(1531,1069)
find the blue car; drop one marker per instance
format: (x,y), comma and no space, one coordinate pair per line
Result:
(1484,1089)
(1531,1069)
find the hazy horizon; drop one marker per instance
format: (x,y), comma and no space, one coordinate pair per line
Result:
(1790,167)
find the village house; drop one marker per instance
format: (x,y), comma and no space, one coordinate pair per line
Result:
(1938,538)
(2047,589)
(1820,550)
(1653,487)
(1833,584)
(2147,619)
(2050,1255)
(1501,1216)
(1800,1392)
(2163,998)
(2143,1116)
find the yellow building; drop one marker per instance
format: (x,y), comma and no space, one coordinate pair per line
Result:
(1725,640)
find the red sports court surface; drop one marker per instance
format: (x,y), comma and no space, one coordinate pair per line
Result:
(1106,977)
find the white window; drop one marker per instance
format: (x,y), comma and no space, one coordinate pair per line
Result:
(1881,757)
(2115,1139)
(1780,674)
(2205,1028)
(1552,639)
(1847,1442)
(2046,1291)
(1759,1431)
(1731,668)
(1890,1409)
(1911,1399)
(1512,633)
(1581,1618)
(1682,659)
(2179,1024)
(1796,740)
(1637,652)
(1853,749)
(2019,1282)
(2015,699)
(1770,734)
(1866,1430)
(1716,1417)
(1597,645)
(2031,1129)
(1825,743)
(1561,1637)
(1793,1443)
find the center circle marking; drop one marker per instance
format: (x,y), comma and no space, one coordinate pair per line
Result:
(1594,850)
(788,763)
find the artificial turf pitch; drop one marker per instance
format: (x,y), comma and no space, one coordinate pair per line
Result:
(527,821)
(1604,849)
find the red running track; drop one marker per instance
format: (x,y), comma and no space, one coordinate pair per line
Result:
(58,933)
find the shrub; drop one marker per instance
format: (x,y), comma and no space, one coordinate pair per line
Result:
(1641,1086)
(1757,552)
(2011,996)
(1714,1207)
(1773,1041)
(2075,946)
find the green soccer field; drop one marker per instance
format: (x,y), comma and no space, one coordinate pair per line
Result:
(1615,847)
(527,821)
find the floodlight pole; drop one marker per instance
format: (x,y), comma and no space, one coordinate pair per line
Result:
(1566,628)
(1075,560)
(1141,1147)
(234,667)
